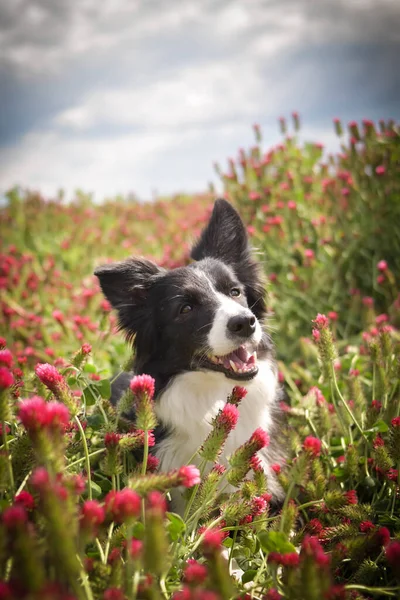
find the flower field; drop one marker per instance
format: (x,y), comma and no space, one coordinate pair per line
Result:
(82,517)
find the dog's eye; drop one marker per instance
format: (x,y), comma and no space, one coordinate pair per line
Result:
(186,308)
(235,292)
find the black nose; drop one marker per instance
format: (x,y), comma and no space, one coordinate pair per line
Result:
(244,326)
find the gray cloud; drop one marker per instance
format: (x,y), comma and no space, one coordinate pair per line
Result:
(124,94)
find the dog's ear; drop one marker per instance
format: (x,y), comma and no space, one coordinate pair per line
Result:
(126,285)
(225,238)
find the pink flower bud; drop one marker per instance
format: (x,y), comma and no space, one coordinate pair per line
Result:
(312,445)
(351,497)
(6,378)
(58,316)
(260,438)
(156,502)
(382,266)
(228,417)
(392,553)
(195,573)
(40,478)
(143,384)
(26,500)
(212,540)
(135,548)
(92,514)
(382,536)
(6,358)
(122,505)
(15,516)
(111,440)
(189,476)
(113,594)
(50,377)
(321,321)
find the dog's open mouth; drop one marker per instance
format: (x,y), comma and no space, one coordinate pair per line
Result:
(239,364)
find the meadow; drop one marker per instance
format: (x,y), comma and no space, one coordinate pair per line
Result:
(81,518)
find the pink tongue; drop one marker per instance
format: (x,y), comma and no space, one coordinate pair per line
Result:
(242,354)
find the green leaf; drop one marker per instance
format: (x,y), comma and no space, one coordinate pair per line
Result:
(90,394)
(89,368)
(104,388)
(275,541)
(381,426)
(96,490)
(249,575)
(95,421)
(176,526)
(138,530)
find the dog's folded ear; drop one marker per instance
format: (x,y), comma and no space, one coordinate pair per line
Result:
(225,238)
(125,285)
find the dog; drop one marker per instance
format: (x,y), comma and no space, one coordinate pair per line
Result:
(199,330)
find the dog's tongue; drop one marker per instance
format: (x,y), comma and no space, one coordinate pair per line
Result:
(242,354)
(240,357)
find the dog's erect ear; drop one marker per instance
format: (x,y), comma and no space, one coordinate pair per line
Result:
(225,238)
(125,285)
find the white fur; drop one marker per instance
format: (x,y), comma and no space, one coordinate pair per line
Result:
(218,340)
(188,405)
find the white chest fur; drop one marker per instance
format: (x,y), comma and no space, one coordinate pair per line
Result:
(189,404)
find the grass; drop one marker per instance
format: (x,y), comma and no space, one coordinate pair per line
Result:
(326,230)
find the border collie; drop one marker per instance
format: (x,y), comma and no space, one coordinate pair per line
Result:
(198,331)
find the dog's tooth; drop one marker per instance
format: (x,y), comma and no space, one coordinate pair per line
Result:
(255,355)
(233,366)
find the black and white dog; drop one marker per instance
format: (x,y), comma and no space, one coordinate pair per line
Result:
(198,331)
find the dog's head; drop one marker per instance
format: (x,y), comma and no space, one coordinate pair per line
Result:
(205,316)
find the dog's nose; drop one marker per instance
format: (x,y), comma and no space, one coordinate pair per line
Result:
(243,326)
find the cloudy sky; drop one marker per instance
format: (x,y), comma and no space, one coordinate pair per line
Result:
(119,96)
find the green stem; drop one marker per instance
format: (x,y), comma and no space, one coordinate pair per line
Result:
(338,412)
(86,452)
(348,409)
(288,496)
(83,458)
(21,487)
(101,552)
(194,492)
(86,585)
(107,548)
(231,552)
(311,503)
(145,452)
(201,538)
(385,591)
(135,584)
(394,490)
(259,573)
(164,587)
(9,464)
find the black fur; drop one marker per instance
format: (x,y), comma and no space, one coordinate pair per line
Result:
(148,299)
(225,238)
(168,340)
